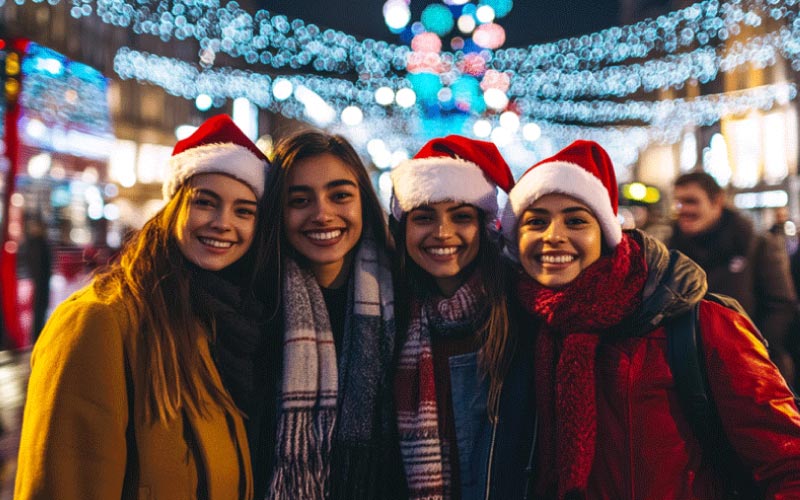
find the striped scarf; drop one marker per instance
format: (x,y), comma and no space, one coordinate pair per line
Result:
(314,389)
(426,454)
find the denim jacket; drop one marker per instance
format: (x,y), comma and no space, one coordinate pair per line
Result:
(493,457)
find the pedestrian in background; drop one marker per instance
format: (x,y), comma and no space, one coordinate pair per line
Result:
(39,261)
(610,423)
(336,429)
(738,261)
(124,399)
(452,300)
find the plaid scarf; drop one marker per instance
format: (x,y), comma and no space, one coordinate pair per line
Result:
(576,318)
(314,389)
(426,455)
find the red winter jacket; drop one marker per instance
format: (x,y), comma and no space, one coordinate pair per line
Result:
(646,449)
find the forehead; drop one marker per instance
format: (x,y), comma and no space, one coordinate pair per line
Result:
(223,186)
(691,191)
(319,170)
(557,202)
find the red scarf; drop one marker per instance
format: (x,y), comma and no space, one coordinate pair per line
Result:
(575,318)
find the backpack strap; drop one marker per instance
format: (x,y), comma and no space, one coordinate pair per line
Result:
(684,360)
(684,355)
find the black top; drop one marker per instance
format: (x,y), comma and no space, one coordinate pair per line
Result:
(336,303)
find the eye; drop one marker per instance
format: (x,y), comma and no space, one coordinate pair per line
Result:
(298,202)
(342,196)
(245,212)
(463,217)
(421,218)
(576,221)
(533,221)
(203,201)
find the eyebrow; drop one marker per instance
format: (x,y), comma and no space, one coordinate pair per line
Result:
(217,197)
(428,208)
(330,185)
(568,210)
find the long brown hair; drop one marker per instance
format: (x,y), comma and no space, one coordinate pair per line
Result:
(152,277)
(311,142)
(495,333)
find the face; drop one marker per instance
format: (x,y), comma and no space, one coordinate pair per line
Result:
(322,213)
(696,211)
(443,239)
(559,237)
(216,225)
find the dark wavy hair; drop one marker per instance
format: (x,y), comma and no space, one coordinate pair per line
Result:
(311,142)
(495,333)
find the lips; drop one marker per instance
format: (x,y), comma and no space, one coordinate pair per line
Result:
(324,235)
(556,258)
(215,243)
(442,251)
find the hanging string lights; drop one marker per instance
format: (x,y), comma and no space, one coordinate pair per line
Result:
(455,68)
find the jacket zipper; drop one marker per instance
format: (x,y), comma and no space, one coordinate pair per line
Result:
(491,461)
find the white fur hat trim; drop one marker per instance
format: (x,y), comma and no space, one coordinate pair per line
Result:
(223,158)
(565,178)
(421,181)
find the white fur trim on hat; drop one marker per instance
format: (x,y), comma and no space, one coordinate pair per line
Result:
(565,178)
(222,158)
(421,181)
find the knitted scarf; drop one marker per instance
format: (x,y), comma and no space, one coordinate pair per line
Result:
(314,387)
(238,320)
(574,319)
(426,455)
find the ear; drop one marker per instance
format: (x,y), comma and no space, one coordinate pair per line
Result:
(719,200)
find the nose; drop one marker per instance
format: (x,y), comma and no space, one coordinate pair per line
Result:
(554,233)
(323,212)
(444,230)
(222,220)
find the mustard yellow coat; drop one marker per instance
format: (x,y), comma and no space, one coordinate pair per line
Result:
(78,442)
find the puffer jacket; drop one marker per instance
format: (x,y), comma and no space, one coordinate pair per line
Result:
(645,447)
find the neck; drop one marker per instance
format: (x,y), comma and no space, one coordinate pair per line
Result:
(450,285)
(334,274)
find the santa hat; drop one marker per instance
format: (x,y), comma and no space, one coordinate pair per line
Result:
(218,146)
(582,170)
(452,168)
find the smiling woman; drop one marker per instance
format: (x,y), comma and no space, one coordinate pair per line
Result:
(139,381)
(335,430)
(609,415)
(452,305)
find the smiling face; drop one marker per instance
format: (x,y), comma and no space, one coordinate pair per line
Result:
(322,215)
(215,226)
(443,239)
(558,238)
(697,211)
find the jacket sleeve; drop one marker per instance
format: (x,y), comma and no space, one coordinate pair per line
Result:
(757,409)
(73,443)
(775,296)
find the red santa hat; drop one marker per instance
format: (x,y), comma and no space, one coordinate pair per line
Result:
(582,170)
(218,146)
(452,168)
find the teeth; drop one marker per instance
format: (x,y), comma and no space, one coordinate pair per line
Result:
(557,259)
(216,243)
(326,235)
(442,250)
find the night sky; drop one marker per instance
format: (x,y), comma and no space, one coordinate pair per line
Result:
(529,22)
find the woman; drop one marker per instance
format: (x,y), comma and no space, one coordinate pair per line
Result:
(124,399)
(336,434)
(452,302)
(610,421)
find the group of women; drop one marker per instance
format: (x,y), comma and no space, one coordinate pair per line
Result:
(268,335)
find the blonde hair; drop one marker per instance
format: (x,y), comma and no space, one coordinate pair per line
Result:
(152,276)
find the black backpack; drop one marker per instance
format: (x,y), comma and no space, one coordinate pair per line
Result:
(691,382)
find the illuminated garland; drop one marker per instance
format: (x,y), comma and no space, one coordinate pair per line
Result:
(666,118)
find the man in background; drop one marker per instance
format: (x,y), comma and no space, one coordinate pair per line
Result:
(738,261)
